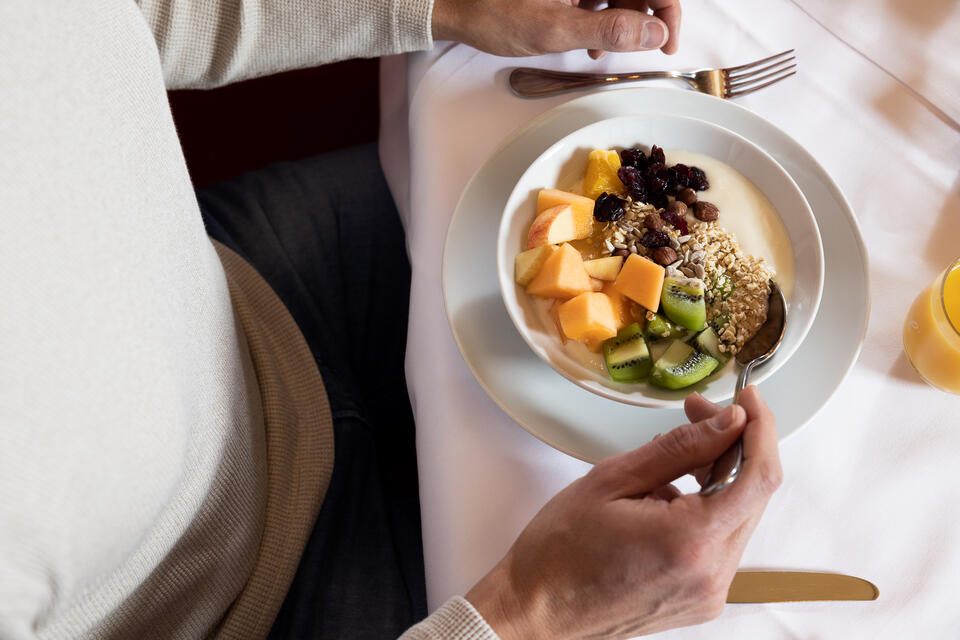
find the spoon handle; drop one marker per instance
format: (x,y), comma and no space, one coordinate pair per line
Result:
(727,467)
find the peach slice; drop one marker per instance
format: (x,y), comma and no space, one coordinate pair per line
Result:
(641,280)
(553,226)
(527,264)
(604,268)
(561,276)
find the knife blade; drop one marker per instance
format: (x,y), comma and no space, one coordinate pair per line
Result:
(798,586)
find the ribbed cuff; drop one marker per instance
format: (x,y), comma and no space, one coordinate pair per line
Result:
(455,620)
(412,25)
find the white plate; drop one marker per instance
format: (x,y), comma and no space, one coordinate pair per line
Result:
(574,420)
(564,163)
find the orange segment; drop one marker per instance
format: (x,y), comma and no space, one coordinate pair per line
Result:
(561,276)
(601,174)
(641,280)
(588,317)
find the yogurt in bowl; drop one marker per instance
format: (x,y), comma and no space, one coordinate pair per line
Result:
(759,205)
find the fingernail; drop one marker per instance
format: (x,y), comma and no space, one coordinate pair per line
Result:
(653,35)
(726,418)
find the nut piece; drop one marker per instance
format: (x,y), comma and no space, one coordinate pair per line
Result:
(622,252)
(678,208)
(664,256)
(706,211)
(653,221)
(687,196)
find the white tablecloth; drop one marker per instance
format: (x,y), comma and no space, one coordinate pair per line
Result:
(870,484)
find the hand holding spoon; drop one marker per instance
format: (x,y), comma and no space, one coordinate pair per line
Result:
(756,351)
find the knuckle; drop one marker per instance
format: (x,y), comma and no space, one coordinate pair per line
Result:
(770,476)
(618,31)
(682,442)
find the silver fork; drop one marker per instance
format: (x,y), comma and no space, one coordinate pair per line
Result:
(722,83)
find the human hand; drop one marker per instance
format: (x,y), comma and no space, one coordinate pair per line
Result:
(621,552)
(533,27)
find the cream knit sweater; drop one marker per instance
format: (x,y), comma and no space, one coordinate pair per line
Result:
(165,441)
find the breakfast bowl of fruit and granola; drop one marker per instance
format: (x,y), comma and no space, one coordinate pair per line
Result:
(635,257)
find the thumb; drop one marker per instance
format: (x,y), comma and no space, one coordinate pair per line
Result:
(611,30)
(675,454)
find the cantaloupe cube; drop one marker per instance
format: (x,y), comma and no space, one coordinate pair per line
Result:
(582,208)
(595,283)
(588,317)
(527,264)
(621,306)
(601,174)
(604,268)
(561,276)
(641,280)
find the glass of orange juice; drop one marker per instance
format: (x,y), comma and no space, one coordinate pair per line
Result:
(931,333)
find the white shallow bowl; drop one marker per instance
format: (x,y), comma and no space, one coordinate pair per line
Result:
(564,163)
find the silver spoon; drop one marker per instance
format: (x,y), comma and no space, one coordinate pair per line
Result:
(756,351)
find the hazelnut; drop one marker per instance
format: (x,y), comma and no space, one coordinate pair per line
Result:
(687,196)
(621,252)
(664,256)
(678,208)
(706,211)
(653,221)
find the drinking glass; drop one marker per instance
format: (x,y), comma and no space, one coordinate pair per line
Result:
(931,332)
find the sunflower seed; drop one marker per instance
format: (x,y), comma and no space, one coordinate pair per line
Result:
(683,239)
(698,269)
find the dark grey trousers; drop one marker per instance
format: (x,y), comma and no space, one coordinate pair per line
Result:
(325,234)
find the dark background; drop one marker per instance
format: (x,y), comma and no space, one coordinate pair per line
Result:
(292,115)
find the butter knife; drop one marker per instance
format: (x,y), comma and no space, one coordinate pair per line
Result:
(798,586)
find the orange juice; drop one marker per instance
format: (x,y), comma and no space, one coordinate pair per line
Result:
(931,333)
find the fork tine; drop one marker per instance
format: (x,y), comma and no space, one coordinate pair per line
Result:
(754,72)
(742,82)
(735,94)
(750,65)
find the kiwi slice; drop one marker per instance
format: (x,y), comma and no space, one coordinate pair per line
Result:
(660,328)
(709,343)
(683,303)
(681,366)
(720,322)
(723,287)
(626,355)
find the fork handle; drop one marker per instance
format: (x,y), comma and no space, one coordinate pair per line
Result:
(529,83)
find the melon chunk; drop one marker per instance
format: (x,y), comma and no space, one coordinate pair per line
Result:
(588,317)
(561,276)
(604,268)
(641,280)
(527,264)
(601,174)
(621,306)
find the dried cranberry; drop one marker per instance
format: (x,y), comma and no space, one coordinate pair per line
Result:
(680,175)
(633,158)
(656,184)
(678,222)
(698,179)
(608,208)
(656,155)
(659,200)
(655,239)
(633,180)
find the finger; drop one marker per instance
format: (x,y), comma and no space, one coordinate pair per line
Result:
(667,492)
(760,473)
(676,453)
(669,11)
(608,30)
(596,54)
(699,408)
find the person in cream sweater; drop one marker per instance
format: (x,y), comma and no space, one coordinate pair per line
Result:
(193,440)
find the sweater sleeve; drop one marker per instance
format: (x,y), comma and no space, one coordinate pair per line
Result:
(207,43)
(455,620)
